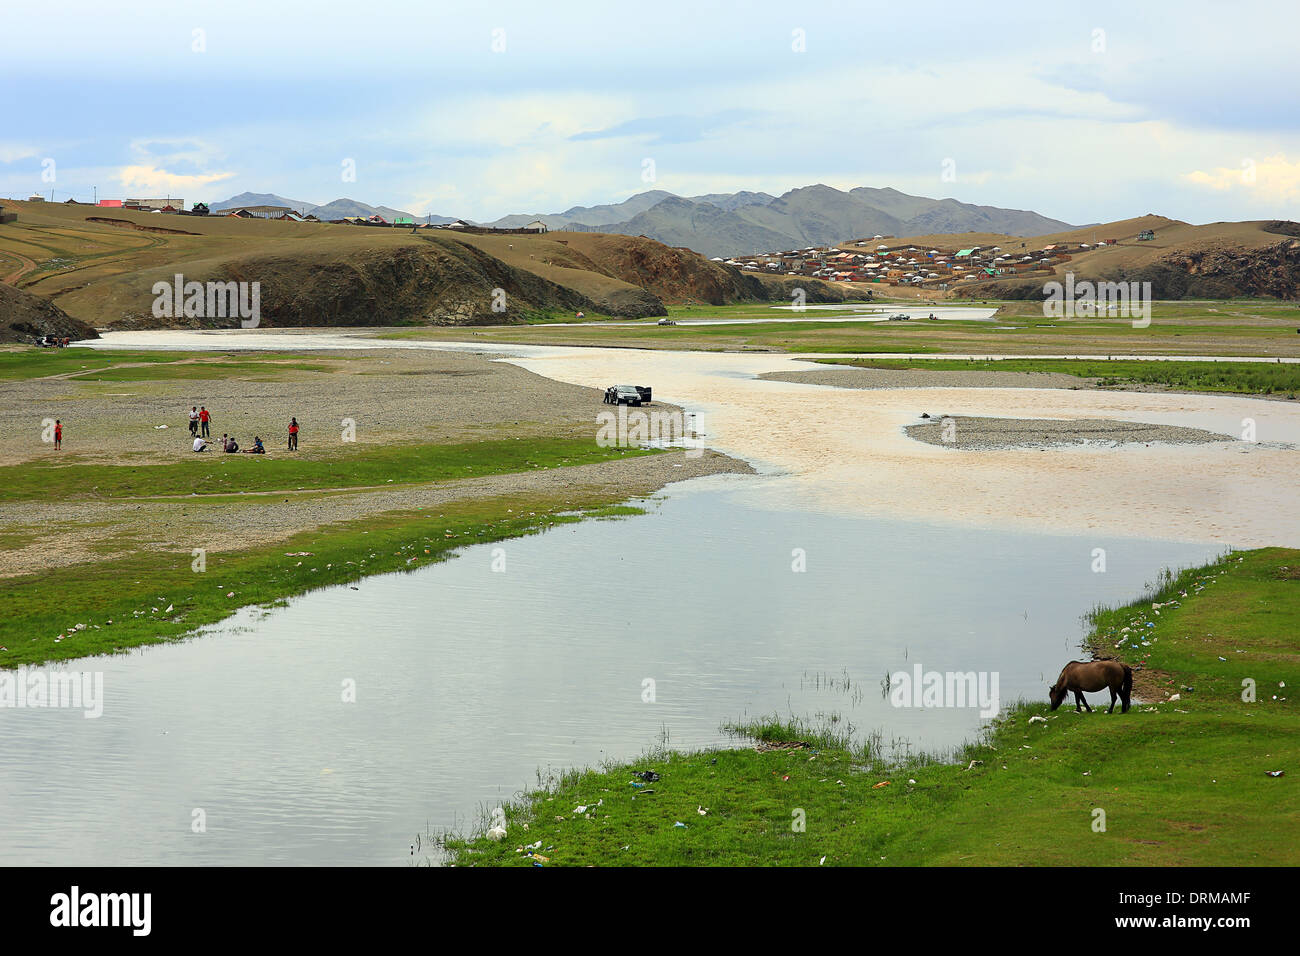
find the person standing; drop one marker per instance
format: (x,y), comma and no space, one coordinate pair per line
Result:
(58,434)
(293,434)
(204,418)
(194,421)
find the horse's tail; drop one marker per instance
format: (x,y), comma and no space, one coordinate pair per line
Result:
(1126,689)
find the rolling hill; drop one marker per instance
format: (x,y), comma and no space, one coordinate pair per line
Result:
(101,270)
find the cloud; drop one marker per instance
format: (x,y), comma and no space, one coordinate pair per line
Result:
(153,179)
(668,129)
(171,166)
(12,152)
(1272,179)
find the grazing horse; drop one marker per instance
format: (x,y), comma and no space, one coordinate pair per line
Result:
(1093,676)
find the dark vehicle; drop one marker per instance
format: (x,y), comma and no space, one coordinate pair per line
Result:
(627,395)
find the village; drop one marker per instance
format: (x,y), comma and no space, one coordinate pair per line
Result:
(913,266)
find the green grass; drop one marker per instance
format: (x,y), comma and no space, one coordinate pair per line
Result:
(134,590)
(1252,378)
(351,466)
(246,369)
(36,362)
(94,365)
(1223,327)
(1181,783)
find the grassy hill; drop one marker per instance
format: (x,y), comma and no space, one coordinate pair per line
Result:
(100,265)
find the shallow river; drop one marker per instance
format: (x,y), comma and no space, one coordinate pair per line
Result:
(469,680)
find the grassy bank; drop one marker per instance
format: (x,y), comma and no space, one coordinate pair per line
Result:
(1181,782)
(1250,378)
(146,597)
(350,465)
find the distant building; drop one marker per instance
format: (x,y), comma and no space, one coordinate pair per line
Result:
(36,199)
(174,202)
(111,203)
(259,212)
(537,225)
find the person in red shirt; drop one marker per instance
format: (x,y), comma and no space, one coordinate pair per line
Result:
(58,434)
(293,434)
(204,418)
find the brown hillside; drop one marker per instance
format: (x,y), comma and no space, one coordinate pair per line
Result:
(25,317)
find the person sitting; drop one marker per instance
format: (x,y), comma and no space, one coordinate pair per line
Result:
(257,448)
(231,446)
(200,444)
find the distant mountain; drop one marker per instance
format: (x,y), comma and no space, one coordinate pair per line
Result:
(261,199)
(340,208)
(588,215)
(726,224)
(337,209)
(731,201)
(703,227)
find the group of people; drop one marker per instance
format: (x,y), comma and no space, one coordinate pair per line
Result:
(230,446)
(201,422)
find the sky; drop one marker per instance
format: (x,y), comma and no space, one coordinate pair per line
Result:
(1086,112)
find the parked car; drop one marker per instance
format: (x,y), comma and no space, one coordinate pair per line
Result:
(899,317)
(627,395)
(665,322)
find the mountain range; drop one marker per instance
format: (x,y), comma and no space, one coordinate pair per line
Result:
(728,224)
(337,209)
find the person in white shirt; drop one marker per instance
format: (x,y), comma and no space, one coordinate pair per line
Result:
(200,444)
(194,421)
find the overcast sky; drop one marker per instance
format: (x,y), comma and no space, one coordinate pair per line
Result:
(1084,112)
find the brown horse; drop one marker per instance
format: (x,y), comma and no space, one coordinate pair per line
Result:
(1092,676)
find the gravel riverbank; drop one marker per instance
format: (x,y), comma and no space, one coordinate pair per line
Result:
(965,432)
